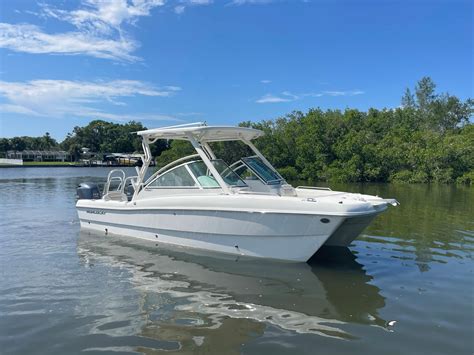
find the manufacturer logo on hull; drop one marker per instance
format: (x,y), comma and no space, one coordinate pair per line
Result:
(95,211)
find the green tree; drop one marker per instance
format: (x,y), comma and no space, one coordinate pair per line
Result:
(5,145)
(408,99)
(425,93)
(428,139)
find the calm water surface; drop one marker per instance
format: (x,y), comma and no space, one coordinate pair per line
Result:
(67,291)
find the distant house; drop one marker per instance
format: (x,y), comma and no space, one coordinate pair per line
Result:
(122,159)
(39,155)
(109,159)
(90,158)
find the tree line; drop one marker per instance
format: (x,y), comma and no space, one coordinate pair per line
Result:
(429,138)
(98,136)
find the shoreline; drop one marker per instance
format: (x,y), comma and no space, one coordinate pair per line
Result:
(453,183)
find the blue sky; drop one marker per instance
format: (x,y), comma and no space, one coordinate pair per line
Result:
(65,63)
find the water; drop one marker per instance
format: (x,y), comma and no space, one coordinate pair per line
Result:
(404,287)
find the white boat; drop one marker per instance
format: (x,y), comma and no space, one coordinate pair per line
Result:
(245,209)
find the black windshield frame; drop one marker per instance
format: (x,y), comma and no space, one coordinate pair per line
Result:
(266,174)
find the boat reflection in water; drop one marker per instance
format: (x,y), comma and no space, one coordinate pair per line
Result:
(199,300)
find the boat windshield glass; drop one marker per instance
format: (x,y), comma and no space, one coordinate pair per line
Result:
(262,170)
(177,177)
(205,178)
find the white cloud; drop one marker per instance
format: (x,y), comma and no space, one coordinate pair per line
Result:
(199,2)
(31,39)
(287,96)
(265,81)
(97,30)
(62,98)
(269,98)
(103,16)
(343,93)
(290,95)
(179,9)
(313,94)
(17,109)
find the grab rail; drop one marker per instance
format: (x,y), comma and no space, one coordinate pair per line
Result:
(111,178)
(314,188)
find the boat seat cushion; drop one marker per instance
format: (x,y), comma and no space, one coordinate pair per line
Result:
(116,196)
(207,181)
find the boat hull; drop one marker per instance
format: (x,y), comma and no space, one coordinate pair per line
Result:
(280,236)
(349,230)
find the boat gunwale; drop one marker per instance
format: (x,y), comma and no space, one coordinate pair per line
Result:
(241,210)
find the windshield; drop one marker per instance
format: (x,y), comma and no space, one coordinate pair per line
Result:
(229,176)
(178,178)
(205,178)
(263,171)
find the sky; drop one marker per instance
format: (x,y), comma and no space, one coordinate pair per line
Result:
(166,62)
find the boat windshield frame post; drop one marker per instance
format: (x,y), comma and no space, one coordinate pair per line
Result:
(200,150)
(262,157)
(146,163)
(208,149)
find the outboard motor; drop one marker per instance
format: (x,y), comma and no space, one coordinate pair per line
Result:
(88,191)
(129,191)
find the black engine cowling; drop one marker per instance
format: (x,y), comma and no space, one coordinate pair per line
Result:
(88,191)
